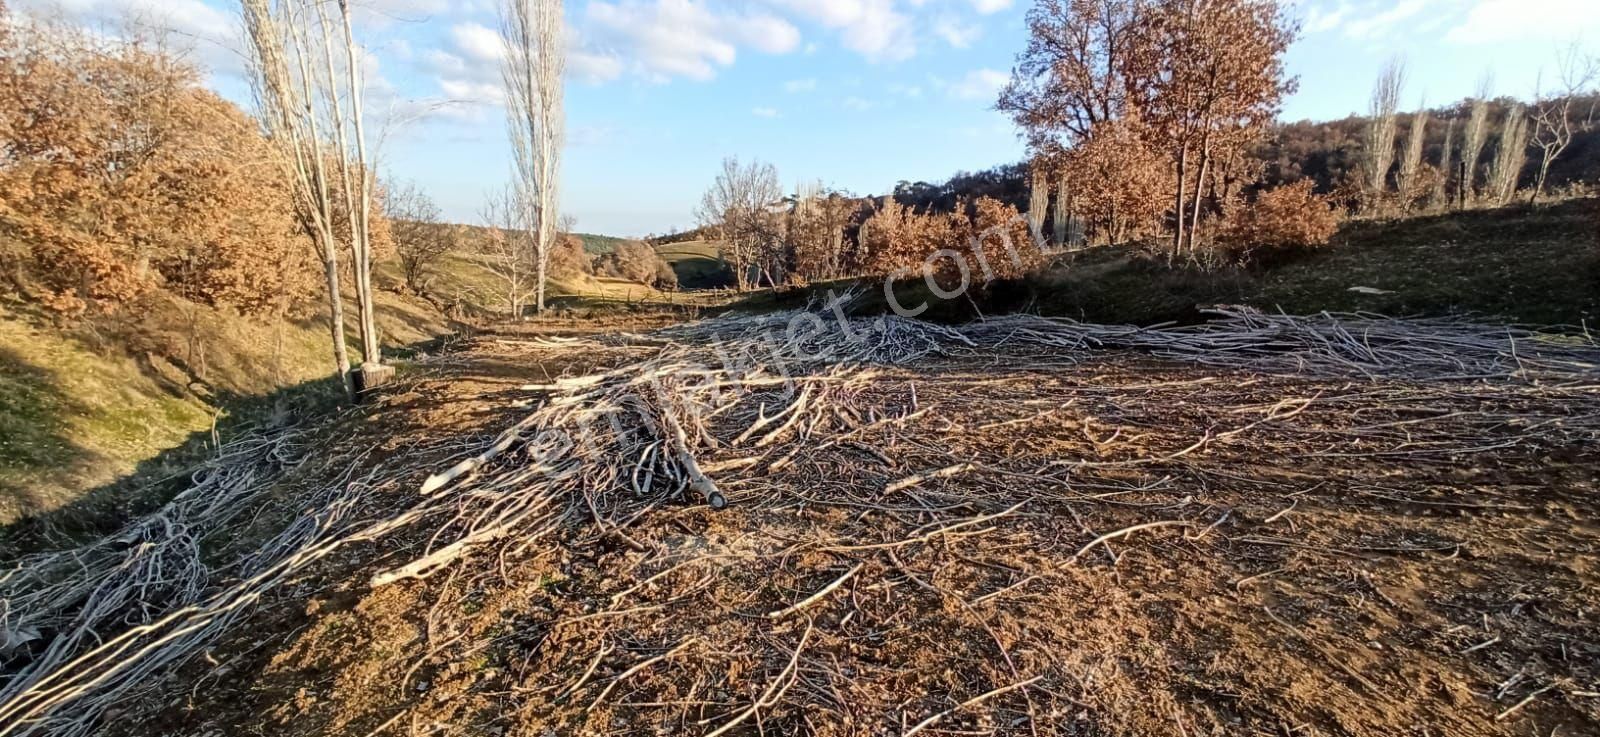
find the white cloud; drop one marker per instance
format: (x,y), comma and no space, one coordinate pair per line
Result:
(478,43)
(189,24)
(1322,20)
(663,39)
(592,67)
(979,84)
(1491,21)
(956,33)
(795,86)
(989,7)
(876,29)
(1375,24)
(765,112)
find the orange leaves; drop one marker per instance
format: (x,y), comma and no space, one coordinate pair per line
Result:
(985,241)
(1291,216)
(120,176)
(1119,182)
(1124,89)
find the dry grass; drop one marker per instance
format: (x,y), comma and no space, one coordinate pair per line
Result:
(87,405)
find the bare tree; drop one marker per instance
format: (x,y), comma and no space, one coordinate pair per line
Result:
(421,238)
(1381,130)
(1409,177)
(1553,127)
(1511,154)
(310,116)
(535,64)
(1477,136)
(738,212)
(504,248)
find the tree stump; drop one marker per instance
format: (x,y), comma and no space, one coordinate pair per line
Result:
(372,376)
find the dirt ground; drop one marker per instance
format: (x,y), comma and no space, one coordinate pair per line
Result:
(1093,543)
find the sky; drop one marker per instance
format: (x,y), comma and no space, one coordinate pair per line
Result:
(856,94)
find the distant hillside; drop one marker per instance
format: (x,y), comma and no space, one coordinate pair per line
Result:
(1325,151)
(1328,151)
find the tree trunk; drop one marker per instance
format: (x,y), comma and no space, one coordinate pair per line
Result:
(371,340)
(1199,199)
(341,353)
(1538,184)
(1182,202)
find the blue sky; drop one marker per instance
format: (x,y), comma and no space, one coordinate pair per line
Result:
(858,94)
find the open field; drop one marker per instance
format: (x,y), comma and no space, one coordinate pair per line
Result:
(1024,526)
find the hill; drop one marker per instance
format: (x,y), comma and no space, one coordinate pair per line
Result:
(1325,151)
(698,264)
(85,407)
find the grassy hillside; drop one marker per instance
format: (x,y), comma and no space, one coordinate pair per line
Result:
(1536,265)
(697,263)
(86,405)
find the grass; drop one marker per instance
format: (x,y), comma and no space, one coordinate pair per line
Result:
(88,409)
(697,263)
(1537,265)
(598,245)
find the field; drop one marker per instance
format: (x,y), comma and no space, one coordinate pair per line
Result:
(698,264)
(1332,526)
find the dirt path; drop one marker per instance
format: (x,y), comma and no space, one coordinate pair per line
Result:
(1074,543)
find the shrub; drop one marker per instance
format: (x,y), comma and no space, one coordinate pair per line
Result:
(990,237)
(666,277)
(568,259)
(1287,218)
(638,262)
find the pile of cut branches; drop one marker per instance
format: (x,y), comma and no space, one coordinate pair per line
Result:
(802,524)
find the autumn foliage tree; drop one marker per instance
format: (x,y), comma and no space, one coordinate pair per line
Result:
(1120,182)
(1211,81)
(1199,80)
(814,233)
(980,242)
(119,175)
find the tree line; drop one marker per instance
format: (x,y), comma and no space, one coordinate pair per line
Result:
(772,237)
(1157,118)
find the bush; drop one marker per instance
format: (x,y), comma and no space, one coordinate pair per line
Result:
(989,236)
(636,261)
(1288,218)
(666,277)
(120,176)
